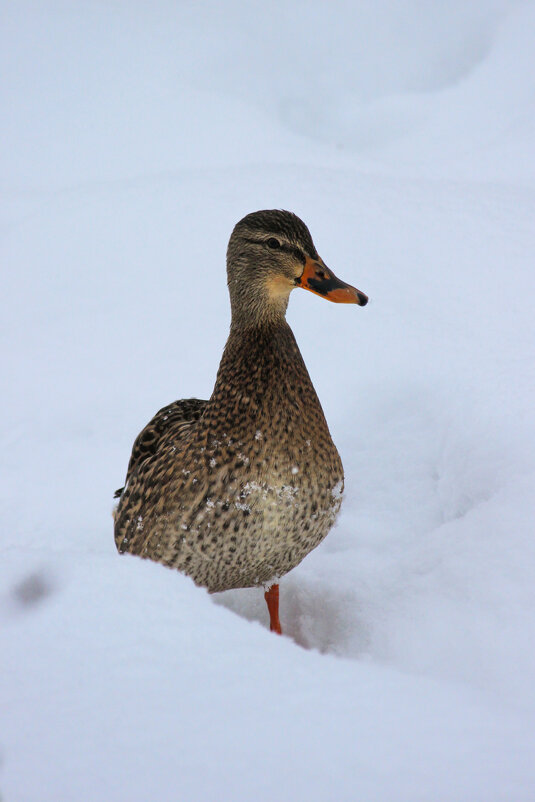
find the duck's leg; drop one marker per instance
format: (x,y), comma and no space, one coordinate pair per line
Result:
(272,598)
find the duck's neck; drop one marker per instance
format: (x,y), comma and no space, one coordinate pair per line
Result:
(262,373)
(260,354)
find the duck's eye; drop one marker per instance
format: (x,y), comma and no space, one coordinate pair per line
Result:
(273,243)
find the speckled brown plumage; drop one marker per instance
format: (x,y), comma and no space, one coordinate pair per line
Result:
(173,420)
(235,491)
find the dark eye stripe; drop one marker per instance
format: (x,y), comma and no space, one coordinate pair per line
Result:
(299,255)
(297,252)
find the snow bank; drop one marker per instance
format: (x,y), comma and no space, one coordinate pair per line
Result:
(136,138)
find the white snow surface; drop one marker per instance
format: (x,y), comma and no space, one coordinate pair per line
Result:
(134,136)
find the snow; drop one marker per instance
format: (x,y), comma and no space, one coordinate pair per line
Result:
(403,134)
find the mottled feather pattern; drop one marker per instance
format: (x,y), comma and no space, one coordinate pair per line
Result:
(237,490)
(175,419)
(254,486)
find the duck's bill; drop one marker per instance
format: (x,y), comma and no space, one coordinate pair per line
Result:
(317,278)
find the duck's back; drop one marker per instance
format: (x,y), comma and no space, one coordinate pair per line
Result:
(172,421)
(241,494)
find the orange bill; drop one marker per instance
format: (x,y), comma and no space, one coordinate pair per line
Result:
(317,278)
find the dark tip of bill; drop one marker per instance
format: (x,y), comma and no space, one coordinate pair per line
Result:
(363,299)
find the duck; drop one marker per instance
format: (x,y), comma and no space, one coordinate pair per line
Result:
(234,491)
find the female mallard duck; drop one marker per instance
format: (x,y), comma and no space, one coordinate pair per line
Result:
(235,491)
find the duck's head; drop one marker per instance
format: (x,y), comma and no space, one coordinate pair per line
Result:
(269,254)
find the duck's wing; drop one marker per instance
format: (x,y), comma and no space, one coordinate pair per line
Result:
(178,418)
